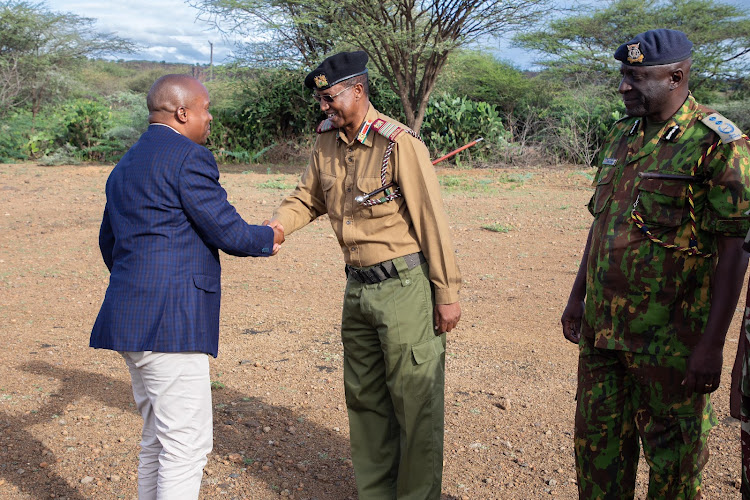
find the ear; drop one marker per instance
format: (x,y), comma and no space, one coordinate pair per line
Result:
(677,78)
(359,91)
(181,114)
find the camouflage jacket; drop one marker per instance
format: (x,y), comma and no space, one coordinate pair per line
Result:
(641,296)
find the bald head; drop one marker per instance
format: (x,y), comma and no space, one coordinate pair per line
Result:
(181,102)
(169,93)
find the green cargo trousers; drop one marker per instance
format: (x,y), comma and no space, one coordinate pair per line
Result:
(623,396)
(394,379)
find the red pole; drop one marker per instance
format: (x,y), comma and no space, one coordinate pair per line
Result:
(456,151)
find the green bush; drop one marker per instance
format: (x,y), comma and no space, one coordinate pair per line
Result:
(276,117)
(575,124)
(451,122)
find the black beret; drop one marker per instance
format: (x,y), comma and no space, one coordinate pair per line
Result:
(654,48)
(336,69)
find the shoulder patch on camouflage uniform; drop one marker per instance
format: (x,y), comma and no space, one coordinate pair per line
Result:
(387,129)
(727,130)
(325,126)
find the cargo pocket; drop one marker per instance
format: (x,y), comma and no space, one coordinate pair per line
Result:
(662,202)
(694,454)
(427,350)
(427,371)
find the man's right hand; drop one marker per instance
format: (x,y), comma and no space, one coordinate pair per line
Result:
(278,234)
(571,320)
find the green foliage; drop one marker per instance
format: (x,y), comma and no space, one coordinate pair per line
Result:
(20,139)
(275,106)
(279,183)
(737,111)
(78,130)
(584,43)
(85,122)
(66,155)
(41,50)
(452,122)
(576,122)
(408,42)
(497,228)
(481,77)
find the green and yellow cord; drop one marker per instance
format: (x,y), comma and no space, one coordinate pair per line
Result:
(692,249)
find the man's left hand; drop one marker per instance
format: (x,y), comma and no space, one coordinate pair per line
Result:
(703,373)
(447,316)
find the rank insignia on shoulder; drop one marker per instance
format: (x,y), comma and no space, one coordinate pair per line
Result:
(387,129)
(610,161)
(727,130)
(325,126)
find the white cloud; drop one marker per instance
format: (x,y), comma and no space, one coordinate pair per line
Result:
(165,29)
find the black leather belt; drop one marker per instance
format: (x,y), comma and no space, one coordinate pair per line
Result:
(384,270)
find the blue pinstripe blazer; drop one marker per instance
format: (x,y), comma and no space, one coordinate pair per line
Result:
(165,219)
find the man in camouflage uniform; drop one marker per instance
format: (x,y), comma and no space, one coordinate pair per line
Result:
(374,179)
(660,275)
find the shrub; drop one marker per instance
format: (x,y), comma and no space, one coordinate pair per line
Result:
(451,122)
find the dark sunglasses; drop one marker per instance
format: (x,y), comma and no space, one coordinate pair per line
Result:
(329,98)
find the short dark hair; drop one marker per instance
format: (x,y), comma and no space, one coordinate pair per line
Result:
(364,81)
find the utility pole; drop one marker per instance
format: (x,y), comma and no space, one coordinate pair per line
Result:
(211,63)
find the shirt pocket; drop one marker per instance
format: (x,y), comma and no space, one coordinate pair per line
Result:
(331,195)
(370,184)
(603,190)
(662,202)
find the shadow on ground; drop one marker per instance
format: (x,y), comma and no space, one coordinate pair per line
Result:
(240,423)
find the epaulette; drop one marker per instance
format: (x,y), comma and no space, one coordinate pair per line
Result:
(387,129)
(325,126)
(726,130)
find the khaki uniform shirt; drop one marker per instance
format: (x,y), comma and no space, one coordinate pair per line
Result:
(340,170)
(640,296)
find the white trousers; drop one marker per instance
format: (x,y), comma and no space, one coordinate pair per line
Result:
(172,392)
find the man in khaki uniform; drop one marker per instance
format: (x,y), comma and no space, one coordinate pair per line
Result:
(374,179)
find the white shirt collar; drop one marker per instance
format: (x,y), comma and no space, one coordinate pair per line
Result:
(163,125)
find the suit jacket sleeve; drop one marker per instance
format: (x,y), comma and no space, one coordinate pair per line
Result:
(106,239)
(218,223)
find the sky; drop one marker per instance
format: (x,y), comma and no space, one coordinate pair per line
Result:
(168,30)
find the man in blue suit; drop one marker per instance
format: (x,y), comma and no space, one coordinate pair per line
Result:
(165,220)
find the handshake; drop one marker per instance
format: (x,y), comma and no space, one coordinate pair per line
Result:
(278,234)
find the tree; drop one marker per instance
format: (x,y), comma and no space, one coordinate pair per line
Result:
(39,49)
(585,43)
(408,41)
(290,31)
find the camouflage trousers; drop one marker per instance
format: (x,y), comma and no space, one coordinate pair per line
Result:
(745,439)
(625,400)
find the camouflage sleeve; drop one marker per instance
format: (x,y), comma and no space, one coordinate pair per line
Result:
(728,197)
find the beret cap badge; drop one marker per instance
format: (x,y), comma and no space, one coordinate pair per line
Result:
(321,81)
(634,53)
(336,69)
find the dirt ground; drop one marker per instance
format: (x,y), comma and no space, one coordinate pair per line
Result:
(68,428)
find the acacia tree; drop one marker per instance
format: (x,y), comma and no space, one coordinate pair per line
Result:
(408,41)
(585,43)
(39,48)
